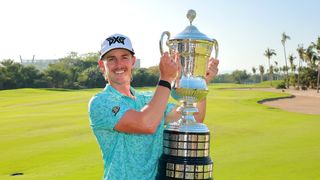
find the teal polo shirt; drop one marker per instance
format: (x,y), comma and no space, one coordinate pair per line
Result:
(126,156)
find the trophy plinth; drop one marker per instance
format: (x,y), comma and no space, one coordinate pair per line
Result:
(186,143)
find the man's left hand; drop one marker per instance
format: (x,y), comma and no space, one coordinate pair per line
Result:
(212,69)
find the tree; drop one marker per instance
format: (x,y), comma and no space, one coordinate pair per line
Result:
(291,59)
(254,70)
(261,70)
(12,77)
(269,53)
(318,77)
(271,71)
(139,77)
(285,68)
(311,57)
(73,66)
(15,75)
(3,76)
(276,70)
(239,76)
(56,77)
(301,58)
(317,47)
(91,78)
(283,41)
(308,77)
(31,76)
(292,77)
(223,78)
(307,74)
(276,63)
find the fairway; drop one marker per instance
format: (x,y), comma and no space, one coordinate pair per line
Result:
(45,134)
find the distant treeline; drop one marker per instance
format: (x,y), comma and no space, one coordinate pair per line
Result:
(73,72)
(81,71)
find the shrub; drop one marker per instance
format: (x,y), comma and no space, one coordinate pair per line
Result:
(281,85)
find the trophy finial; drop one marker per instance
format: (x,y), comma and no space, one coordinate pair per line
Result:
(191,15)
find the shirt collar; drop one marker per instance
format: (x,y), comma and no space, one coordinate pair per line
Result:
(109,88)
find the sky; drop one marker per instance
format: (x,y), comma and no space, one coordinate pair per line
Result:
(244,29)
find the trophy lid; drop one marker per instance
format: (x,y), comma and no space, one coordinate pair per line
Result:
(191,31)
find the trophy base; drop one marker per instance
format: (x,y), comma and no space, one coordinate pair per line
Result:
(185,155)
(184,168)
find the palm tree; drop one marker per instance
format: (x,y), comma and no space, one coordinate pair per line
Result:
(317,46)
(291,59)
(261,70)
(283,41)
(269,53)
(271,71)
(301,58)
(254,70)
(280,70)
(310,56)
(292,67)
(276,70)
(318,78)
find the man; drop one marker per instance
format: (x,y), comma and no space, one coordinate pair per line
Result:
(129,124)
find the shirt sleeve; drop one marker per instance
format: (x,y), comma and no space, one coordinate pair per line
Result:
(105,112)
(170,107)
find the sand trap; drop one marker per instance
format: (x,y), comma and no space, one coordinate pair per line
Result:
(307,102)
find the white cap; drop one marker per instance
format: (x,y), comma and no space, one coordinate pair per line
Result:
(116,41)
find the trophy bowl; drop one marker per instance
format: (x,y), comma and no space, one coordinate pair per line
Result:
(186,143)
(194,50)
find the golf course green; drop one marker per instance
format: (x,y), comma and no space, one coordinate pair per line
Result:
(45,134)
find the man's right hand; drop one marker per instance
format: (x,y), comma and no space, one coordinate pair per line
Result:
(147,120)
(169,67)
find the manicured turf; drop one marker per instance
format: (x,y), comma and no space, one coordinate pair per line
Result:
(45,134)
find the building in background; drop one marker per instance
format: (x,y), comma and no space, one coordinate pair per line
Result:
(40,64)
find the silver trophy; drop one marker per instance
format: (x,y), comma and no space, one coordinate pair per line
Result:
(186,143)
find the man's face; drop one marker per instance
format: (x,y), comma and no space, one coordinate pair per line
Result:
(117,66)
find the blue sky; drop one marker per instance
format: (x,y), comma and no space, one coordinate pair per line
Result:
(244,29)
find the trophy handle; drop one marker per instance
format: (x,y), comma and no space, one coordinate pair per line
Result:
(216,48)
(161,40)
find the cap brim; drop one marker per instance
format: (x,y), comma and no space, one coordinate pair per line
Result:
(116,48)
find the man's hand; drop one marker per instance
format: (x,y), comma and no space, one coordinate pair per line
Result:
(169,67)
(212,69)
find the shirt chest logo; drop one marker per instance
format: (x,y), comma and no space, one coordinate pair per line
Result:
(115,110)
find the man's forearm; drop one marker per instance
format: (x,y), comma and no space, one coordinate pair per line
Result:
(202,111)
(153,112)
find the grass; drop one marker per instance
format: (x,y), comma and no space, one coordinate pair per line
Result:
(264,84)
(45,134)
(253,141)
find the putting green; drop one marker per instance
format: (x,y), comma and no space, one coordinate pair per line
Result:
(45,134)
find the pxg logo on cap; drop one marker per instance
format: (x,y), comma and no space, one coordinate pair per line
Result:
(116,41)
